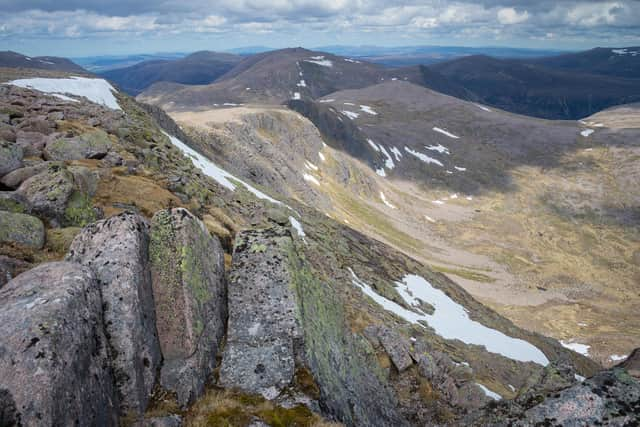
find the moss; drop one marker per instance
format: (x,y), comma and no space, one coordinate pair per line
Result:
(59,239)
(298,416)
(79,210)
(10,205)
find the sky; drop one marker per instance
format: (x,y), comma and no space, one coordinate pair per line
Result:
(77,28)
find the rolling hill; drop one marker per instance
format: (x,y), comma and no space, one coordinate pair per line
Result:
(272,77)
(533,88)
(11,59)
(199,68)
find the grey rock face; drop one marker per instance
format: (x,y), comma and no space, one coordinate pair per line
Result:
(187,271)
(610,397)
(263,331)
(10,157)
(116,249)
(48,192)
(397,347)
(91,145)
(25,230)
(168,421)
(53,352)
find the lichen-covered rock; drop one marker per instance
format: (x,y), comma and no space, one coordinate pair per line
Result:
(397,347)
(48,192)
(187,271)
(54,365)
(85,179)
(32,143)
(10,157)
(263,331)
(91,145)
(116,249)
(10,268)
(610,397)
(22,229)
(10,201)
(15,178)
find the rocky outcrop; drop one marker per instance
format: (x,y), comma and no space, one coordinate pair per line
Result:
(22,229)
(263,331)
(632,363)
(18,176)
(53,352)
(48,192)
(610,398)
(116,249)
(187,271)
(90,145)
(10,157)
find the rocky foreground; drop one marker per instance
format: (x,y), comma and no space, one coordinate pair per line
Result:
(137,289)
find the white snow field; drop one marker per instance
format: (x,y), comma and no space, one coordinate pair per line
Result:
(98,91)
(450,320)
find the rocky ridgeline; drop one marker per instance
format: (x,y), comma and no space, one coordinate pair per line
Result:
(145,309)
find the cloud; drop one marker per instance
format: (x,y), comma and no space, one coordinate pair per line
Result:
(510,16)
(482,20)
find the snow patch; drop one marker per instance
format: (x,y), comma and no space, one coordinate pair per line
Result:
(586,132)
(326,100)
(98,91)
(423,157)
(439,148)
(298,227)
(311,178)
(350,114)
(218,174)
(322,158)
(381,172)
(483,108)
(319,60)
(491,394)
(389,161)
(577,347)
(351,60)
(450,320)
(302,83)
(385,201)
(461,169)
(579,378)
(444,132)
(296,95)
(617,358)
(368,110)
(310,165)
(349,103)
(373,145)
(396,153)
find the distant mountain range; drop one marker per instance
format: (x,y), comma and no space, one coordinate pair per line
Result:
(545,84)
(196,69)
(11,59)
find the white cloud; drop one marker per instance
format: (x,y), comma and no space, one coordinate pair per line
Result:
(510,16)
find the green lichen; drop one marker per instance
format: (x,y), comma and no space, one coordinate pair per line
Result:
(343,364)
(257,248)
(79,211)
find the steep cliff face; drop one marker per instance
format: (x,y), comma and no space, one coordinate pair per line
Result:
(323,321)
